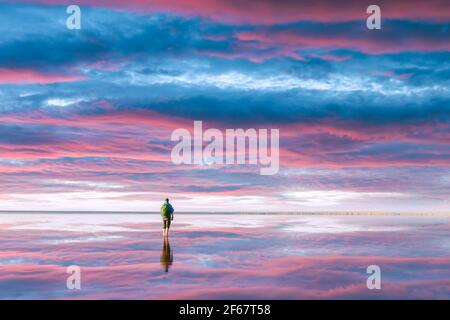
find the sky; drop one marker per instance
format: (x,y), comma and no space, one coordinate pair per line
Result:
(86,116)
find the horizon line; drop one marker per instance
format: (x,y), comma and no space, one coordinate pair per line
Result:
(347,213)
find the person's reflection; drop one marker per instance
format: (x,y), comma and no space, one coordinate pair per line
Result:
(166,255)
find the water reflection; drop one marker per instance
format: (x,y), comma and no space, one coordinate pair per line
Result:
(224,256)
(166,255)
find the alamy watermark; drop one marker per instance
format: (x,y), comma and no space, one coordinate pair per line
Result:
(374,20)
(374,280)
(74,20)
(74,280)
(234,146)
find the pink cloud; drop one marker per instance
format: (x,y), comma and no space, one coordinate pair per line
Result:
(391,74)
(293,40)
(28,76)
(132,136)
(331,57)
(272,12)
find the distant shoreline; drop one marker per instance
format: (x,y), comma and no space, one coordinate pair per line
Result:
(331,213)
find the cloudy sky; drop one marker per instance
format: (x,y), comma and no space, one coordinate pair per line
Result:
(86,115)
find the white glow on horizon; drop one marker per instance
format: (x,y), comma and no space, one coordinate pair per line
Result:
(291,201)
(320,198)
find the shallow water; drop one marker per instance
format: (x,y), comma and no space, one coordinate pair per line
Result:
(223,256)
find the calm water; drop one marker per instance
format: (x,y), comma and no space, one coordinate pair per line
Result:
(223,256)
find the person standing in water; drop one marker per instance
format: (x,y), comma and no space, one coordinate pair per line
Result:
(167,216)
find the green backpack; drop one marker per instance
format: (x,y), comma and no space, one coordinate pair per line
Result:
(165,211)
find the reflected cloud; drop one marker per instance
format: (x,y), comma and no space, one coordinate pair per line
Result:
(230,257)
